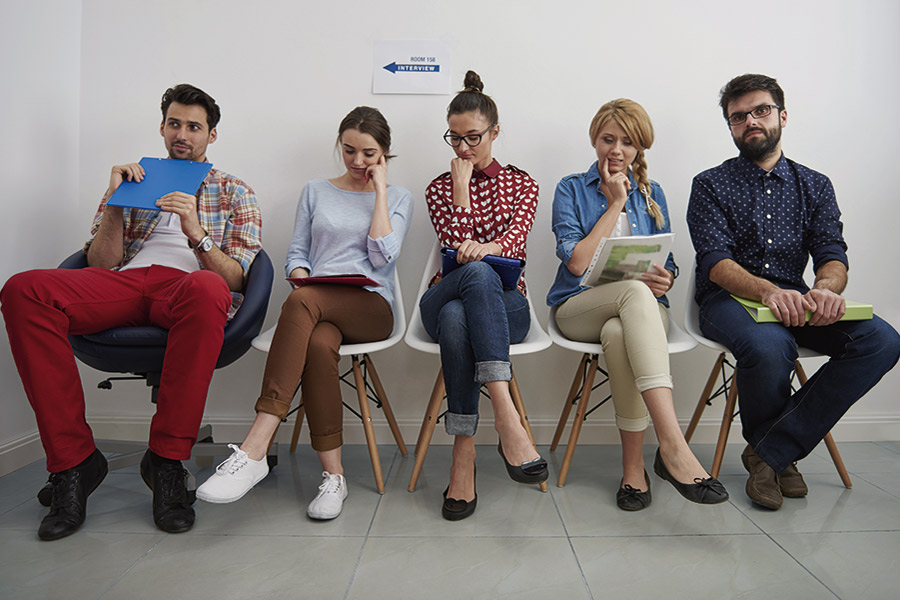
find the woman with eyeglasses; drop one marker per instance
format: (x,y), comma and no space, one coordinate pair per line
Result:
(354,223)
(615,198)
(479,208)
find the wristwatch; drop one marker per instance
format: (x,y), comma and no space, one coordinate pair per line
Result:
(204,245)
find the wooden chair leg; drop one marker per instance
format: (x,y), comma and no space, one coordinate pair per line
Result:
(428,423)
(704,397)
(578,422)
(520,407)
(829,441)
(367,424)
(385,405)
(567,407)
(727,418)
(298,424)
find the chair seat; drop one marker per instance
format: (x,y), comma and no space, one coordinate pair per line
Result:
(127,336)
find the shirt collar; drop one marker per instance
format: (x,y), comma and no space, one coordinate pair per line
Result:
(593,176)
(751,170)
(491,171)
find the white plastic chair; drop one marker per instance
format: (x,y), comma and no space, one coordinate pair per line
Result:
(729,388)
(583,382)
(363,369)
(418,338)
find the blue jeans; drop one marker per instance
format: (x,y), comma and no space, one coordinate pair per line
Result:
(474,320)
(780,426)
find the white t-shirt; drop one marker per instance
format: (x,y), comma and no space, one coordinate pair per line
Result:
(166,246)
(622,228)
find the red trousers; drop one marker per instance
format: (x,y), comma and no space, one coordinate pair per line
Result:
(42,307)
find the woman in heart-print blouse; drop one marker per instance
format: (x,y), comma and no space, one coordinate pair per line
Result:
(479,208)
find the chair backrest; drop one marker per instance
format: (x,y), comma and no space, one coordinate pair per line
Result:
(141,349)
(418,338)
(263,341)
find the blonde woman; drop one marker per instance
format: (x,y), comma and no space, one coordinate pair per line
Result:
(614,198)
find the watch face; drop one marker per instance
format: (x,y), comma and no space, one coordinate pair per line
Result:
(206,245)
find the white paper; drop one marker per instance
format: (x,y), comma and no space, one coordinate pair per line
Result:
(411,67)
(627,257)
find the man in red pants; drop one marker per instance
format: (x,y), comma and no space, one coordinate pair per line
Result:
(180,268)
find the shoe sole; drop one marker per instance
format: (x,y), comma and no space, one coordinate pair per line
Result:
(219,500)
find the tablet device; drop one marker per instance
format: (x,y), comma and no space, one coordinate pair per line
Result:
(161,176)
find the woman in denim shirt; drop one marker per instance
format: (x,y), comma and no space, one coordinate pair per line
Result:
(615,198)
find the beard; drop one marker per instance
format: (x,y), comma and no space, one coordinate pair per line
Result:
(761,147)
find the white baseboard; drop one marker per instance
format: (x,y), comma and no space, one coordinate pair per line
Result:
(27,449)
(19,452)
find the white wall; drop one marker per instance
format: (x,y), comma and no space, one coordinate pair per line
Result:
(285,73)
(39,121)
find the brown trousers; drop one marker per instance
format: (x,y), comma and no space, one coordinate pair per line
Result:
(314,321)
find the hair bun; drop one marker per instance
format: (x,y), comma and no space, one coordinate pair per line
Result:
(472,82)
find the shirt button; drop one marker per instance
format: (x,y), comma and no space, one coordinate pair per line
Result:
(633,225)
(769,241)
(766,265)
(768,216)
(768,191)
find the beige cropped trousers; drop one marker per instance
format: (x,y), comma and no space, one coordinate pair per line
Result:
(626,318)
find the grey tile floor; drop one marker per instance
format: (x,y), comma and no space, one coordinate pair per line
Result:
(569,543)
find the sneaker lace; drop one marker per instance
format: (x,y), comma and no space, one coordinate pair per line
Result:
(235,462)
(331,484)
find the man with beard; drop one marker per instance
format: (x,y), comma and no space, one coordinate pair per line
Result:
(175,268)
(754,222)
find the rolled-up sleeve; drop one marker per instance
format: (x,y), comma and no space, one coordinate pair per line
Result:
(826,232)
(385,250)
(708,224)
(242,239)
(565,222)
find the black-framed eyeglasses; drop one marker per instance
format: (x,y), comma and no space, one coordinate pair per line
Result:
(760,112)
(472,139)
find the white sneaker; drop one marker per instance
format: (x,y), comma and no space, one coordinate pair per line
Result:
(233,478)
(330,500)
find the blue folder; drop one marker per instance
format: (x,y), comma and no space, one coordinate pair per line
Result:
(161,176)
(509,269)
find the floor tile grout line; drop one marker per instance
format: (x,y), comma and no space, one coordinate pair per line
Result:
(875,485)
(783,549)
(879,444)
(587,585)
(131,566)
(362,548)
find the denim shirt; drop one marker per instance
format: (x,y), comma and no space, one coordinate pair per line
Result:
(578,204)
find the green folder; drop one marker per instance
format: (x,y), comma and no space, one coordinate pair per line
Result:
(855,311)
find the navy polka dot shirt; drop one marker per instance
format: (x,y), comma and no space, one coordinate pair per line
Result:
(767,222)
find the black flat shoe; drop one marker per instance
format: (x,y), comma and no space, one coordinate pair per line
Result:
(630,499)
(533,471)
(172,510)
(457,510)
(69,491)
(702,491)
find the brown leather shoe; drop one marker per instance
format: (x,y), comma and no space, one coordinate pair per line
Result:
(762,485)
(791,483)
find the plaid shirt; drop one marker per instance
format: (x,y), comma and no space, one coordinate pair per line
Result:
(227,210)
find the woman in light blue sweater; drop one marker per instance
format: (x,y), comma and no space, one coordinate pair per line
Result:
(354,223)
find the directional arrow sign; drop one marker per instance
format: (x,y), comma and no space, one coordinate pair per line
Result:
(394,67)
(411,67)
